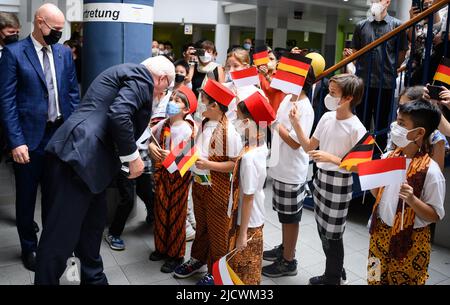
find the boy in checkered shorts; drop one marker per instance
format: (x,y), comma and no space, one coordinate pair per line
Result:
(289,175)
(338,131)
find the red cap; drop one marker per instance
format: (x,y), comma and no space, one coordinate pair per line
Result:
(218,92)
(192,99)
(259,108)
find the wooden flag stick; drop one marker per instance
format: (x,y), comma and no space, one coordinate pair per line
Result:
(154,140)
(236,248)
(403,214)
(381,151)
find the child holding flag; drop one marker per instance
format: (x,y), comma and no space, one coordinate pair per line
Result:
(255,113)
(337,132)
(219,145)
(288,167)
(171,188)
(400,240)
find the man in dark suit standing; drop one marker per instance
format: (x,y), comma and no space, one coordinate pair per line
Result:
(85,155)
(38,91)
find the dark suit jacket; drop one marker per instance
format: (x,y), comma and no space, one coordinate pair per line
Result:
(24,95)
(318,104)
(111,117)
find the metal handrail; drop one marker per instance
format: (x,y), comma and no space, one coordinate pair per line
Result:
(431,10)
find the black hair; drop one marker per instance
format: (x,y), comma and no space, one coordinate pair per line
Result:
(244,110)
(423,114)
(182,62)
(310,80)
(413,93)
(222,108)
(278,52)
(168,43)
(187,46)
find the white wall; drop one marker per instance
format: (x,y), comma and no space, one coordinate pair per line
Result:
(9,6)
(248,19)
(193,11)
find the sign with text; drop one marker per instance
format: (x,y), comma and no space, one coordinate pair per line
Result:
(188,29)
(118,12)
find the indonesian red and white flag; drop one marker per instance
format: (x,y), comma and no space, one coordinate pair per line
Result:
(223,274)
(378,173)
(287,82)
(245,77)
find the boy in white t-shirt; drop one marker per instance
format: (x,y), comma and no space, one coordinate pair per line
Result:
(288,167)
(337,132)
(400,238)
(255,114)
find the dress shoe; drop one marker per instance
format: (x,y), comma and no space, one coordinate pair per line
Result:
(29,260)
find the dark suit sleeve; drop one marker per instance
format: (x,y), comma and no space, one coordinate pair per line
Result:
(133,95)
(8,107)
(356,41)
(74,90)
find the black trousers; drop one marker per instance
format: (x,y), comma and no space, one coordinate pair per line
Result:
(381,120)
(28,177)
(334,253)
(75,222)
(144,189)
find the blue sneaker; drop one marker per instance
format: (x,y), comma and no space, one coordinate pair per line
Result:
(208,279)
(189,268)
(115,243)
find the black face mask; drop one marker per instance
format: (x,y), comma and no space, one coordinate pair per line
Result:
(53,37)
(179,78)
(11,38)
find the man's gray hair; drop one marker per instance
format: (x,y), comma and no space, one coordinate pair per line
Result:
(160,66)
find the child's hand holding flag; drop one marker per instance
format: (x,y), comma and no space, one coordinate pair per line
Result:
(407,193)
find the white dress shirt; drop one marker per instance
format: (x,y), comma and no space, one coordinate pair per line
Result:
(40,55)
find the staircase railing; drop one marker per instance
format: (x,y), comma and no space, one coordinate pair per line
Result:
(382,110)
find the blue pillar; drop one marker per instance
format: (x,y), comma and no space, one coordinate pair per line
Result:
(109,43)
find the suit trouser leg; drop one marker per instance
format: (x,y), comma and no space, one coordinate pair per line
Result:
(88,248)
(28,177)
(70,202)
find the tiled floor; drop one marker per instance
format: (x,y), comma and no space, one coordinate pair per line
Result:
(133,267)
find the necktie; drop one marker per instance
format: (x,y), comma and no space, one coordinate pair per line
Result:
(52,111)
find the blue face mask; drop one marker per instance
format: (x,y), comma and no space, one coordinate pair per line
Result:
(172,109)
(247,46)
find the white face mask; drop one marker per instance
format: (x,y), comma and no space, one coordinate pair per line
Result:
(201,108)
(332,103)
(399,135)
(206,58)
(377,9)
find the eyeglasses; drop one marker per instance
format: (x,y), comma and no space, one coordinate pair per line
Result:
(49,26)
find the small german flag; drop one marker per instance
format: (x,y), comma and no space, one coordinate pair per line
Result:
(362,152)
(182,157)
(261,56)
(295,63)
(443,71)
